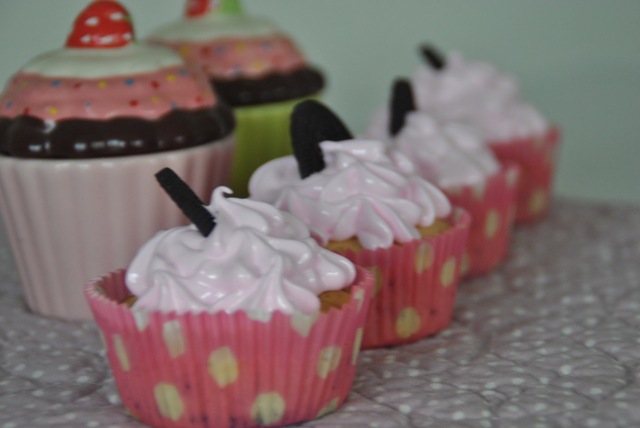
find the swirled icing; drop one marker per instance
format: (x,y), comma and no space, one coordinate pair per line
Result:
(258,259)
(365,191)
(447,153)
(477,93)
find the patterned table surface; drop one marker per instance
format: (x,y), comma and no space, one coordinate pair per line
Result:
(552,339)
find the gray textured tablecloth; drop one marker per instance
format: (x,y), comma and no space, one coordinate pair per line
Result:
(551,339)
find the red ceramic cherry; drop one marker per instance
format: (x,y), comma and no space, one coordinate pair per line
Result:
(102,24)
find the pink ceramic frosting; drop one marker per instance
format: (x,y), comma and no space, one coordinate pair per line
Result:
(258,259)
(251,57)
(447,153)
(365,191)
(479,94)
(231,45)
(147,95)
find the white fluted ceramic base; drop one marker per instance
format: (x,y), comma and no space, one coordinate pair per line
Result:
(69,221)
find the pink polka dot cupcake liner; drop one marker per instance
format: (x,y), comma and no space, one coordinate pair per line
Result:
(71,220)
(537,158)
(492,206)
(415,285)
(229,370)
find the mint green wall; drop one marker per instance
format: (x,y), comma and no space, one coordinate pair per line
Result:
(578,61)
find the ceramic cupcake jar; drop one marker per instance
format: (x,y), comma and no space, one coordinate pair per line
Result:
(254,66)
(454,87)
(82,130)
(238,320)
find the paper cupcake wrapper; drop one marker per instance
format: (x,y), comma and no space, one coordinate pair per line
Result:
(262,134)
(228,370)
(537,159)
(416,285)
(71,220)
(492,206)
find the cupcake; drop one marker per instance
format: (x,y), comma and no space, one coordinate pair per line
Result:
(454,87)
(81,131)
(248,323)
(367,203)
(254,66)
(454,157)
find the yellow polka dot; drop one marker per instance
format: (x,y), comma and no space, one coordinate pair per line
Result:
(102,84)
(173,338)
(424,257)
(171,77)
(408,322)
(359,296)
(465,263)
(328,361)
(121,352)
(258,65)
(53,111)
(303,323)
(240,47)
(141,319)
(538,201)
(223,366)
(478,190)
(377,274)
(357,344)
(155,99)
(491,224)
(168,401)
(268,408)
(512,178)
(448,272)
(330,407)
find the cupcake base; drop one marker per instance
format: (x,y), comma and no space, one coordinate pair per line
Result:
(492,206)
(416,285)
(228,370)
(536,157)
(262,134)
(71,220)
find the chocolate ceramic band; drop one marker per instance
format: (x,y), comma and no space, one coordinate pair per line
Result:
(272,88)
(31,137)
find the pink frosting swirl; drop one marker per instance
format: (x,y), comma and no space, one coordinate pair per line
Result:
(479,94)
(365,191)
(445,152)
(258,259)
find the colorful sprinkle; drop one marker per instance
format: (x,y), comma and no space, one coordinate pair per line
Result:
(155,99)
(53,111)
(129,82)
(9,104)
(77,85)
(220,50)
(155,84)
(56,83)
(174,106)
(133,103)
(183,72)
(184,51)
(26,111)
(24,84)
(171,78)
(102,84)
(88,104)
